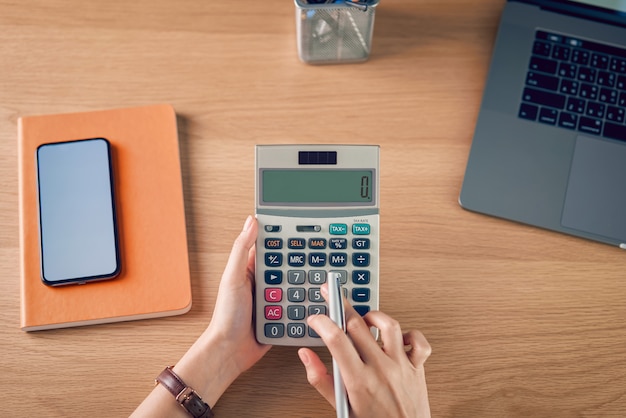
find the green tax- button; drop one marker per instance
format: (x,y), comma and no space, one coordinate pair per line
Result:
(338,229)
(361,229)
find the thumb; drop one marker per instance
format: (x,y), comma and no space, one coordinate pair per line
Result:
(238,259)
(317,374)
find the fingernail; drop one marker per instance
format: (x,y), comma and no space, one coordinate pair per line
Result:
(248,223)
(304,358)
(324,290)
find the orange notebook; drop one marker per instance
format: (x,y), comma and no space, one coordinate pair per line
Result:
(155,279)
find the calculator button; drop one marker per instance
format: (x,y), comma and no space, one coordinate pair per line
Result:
(296,243)
(338,229)
(296,259)
(273,259)
(273,276)
(317,259)
(296,294)
(361,294)
(361,243)
(315,295)
(312,333)
(317,243)
(338,259)
(295,312)
(273,312)
(296,276)
(360,277)
(361,229)
(361,309)
(317,310)
(317,277)
(296,330)
(338,243)
(361,259)
(273,243)
(274,330)
(272,228)
(273,294)
(343,276)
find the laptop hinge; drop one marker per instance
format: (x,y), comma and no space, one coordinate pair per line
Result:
(597,14)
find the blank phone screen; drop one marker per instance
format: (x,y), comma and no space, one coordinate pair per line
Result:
(76,212)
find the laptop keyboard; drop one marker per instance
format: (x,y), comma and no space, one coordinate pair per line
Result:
(576,84)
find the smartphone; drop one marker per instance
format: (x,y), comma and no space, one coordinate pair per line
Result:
(78,233)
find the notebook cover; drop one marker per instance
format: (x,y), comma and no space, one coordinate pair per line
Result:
(155,279)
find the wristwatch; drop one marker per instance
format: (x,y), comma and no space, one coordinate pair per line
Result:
(185,395)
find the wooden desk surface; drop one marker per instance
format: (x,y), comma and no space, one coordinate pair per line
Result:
(523,322)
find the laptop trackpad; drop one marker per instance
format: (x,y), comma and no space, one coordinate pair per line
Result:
(596,193)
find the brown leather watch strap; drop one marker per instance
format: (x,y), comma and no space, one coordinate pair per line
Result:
(185,396)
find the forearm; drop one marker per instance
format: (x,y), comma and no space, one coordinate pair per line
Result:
(206,367)
(227,347)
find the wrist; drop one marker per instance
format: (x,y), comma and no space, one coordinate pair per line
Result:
(208,368)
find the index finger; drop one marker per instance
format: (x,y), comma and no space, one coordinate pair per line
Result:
(338,344)
(358,330)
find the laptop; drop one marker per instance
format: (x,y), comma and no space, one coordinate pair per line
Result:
(549,147)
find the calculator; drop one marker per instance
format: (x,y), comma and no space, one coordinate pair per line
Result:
(317,208)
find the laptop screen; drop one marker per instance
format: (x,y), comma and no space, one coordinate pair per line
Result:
(617,5)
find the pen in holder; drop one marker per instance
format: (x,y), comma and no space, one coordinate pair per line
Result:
(334,31)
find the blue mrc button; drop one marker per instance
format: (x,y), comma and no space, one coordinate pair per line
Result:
(338,229)
(361,229)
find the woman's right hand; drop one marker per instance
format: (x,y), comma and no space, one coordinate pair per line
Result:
(385,380)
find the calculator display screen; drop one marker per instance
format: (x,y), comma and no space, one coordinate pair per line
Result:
(292,186)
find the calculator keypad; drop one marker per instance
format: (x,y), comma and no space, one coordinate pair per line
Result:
(294,256)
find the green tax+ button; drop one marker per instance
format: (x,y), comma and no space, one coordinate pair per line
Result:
(361,229)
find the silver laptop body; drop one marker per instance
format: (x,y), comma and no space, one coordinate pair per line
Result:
(545,151)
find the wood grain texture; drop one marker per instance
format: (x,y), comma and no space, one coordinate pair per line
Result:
(523,322)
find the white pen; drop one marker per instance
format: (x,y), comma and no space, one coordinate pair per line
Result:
(338,316)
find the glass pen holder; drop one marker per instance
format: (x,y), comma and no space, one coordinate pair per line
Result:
(334,31)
